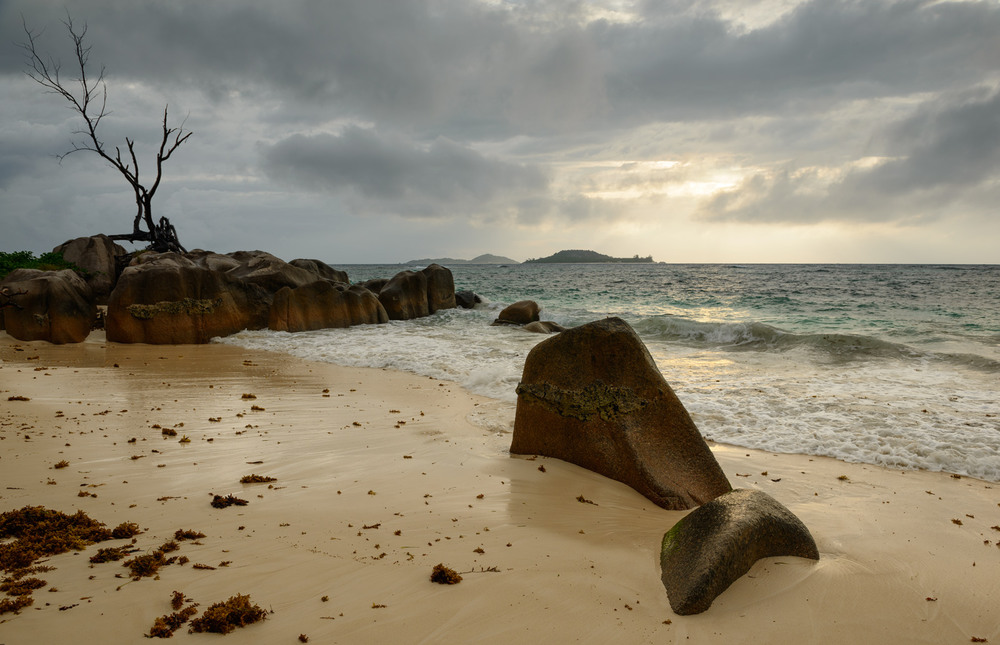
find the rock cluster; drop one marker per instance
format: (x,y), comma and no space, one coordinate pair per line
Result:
(177,298)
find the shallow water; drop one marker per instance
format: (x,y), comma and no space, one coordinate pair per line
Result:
(895,365)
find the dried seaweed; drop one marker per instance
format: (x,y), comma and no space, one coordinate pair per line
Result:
(445,576)
(39,532)
(257,479)
(125,530)
(111,554)
(224,617)
(15,605)
(181,534)
(144,566)
(165,626)
(229,500)
(21,586)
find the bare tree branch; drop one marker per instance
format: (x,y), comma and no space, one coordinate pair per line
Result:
(90,101)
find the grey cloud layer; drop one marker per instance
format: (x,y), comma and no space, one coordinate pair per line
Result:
(473,110)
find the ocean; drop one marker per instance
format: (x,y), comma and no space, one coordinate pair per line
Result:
(894,365)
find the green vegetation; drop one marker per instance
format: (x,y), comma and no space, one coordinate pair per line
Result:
(580,256)
(27,260)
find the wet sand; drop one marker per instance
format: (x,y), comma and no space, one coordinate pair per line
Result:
(382,475)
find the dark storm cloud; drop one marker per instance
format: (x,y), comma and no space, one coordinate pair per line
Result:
(415,179)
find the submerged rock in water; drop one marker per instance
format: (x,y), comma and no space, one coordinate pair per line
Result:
(519,313)
(593,396)
(714,545)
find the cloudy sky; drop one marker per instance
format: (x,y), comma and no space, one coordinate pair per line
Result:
(360,131)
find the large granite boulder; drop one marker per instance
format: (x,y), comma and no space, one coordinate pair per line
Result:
(374,285)
(322,269)
(717,543)
(212,261)
(269,271)
(97,256)
(440,288)
(323,304)
(519,313)
(174,301)
(58,306)
(405,296)
(593,396)
(544,327)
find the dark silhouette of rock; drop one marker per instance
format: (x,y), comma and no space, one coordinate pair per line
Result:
(171,300)
(405,296)
(544,327)
(466,299)
(58,307)
(322,269)
(519,313)
(440,288)
(717,543)
(593,396)
(97,256)
(323,304)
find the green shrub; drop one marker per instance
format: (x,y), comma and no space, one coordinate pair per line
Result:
(27,260)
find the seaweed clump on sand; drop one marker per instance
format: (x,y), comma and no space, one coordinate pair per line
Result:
(165,626)
(39,532)
(257,479)
(148,565)
(445,576)
(111,554)
(187,534)
(15,605)
(224,617)
(229,500)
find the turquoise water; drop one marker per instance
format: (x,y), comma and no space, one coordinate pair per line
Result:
(896,365)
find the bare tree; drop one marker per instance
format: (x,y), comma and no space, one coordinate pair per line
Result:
(88,97)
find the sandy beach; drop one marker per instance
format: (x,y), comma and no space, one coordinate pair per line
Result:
(381,475)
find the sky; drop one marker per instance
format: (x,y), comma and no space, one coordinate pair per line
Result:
(380,131)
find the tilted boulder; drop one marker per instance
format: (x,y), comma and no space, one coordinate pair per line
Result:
(174,301)
(97,256)
(59,307)
(323,304)
(322,269)
(717,543)
(440,288)
(519,313)
(405,296)
(374,285)
(593,396)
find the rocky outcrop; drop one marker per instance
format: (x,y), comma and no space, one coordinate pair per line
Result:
(519,313)
(440,288)
(58,306)
(717,543)
(98,257)
(171,300)
(321,269)
(374,285)
(323,304)
(405,296)
(593,396)
(466,299)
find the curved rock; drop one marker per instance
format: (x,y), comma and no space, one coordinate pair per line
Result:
(466,299)
(58,307)
(519,313)
(97,255)
(440,288)
(544,327)
(322,269)
(322,305)
(174,301)
(269,271)
(717,543)
(405,296)
(593,396)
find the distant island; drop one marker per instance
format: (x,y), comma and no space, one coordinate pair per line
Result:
(579,256)
(486,258)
